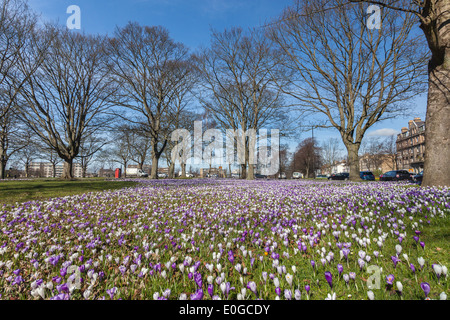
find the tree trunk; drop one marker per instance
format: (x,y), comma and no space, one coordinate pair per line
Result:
(171,170)
(54,170)
(154,172)
(251,172)
(436,169)
(2,169)
(353,161)
(183,170)
(243,171)
(67,171)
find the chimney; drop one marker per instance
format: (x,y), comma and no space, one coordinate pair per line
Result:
(417,120)
(404,130)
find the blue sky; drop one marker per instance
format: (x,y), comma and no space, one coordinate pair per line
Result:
(190,22)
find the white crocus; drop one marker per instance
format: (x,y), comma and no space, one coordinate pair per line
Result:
(443,296)
(370,295)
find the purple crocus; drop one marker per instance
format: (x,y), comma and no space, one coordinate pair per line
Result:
(329,278)
(340,268)
(211,289)
(307,288)
(426,288)
(231,256)
(422,244)
(313,263)
(252,286)
(278,291)
(198,295)
(390,279)
(395,260)
(61,296)
(413,269)
(198,280)
(112,292)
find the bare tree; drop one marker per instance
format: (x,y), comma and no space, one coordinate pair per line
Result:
(65,100)
(331,152)
(150,67)
(89,146)
(122,150)
(238,74)
(49,154)
(308,157)
(433,17)
(17,29)
(351,75)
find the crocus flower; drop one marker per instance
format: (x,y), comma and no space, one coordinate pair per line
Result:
(313,263)
(297,294)
(413,269)
(288,294)
(395,260)
(329,278)
(211,289)
(426,288)
(340,268)
(346,278)
(112,292)
(198,295)
(390,279)
(278,291)
(438,270)
(422,244)
(370,295)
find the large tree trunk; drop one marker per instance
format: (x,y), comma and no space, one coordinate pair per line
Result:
(353,161)
(183,170)
(67,171)
(251,172)
(437,153)
(154,172)
(171,170)
(2,169)
(243,171)
(54,170)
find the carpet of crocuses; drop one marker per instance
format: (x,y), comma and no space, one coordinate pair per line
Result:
(227,239)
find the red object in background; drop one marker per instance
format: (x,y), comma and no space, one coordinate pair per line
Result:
(118,173)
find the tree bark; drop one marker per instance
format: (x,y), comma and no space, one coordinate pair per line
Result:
(154,172)
(251,172)
(171,170)
(2,169)
(67,171)
(183,170)
(353,161)
(437,154)
(243,171)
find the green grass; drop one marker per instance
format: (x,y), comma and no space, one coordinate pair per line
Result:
(42,189)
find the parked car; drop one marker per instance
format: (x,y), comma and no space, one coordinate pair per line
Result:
(235,175)
(367,175)
(297,175)
(418,178)
(395,175)
(135,172)
(162,175)
(321,176)
(282,176)
(339,176)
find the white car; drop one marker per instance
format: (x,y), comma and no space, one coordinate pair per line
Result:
(297,175)
(189,175)
(162,175)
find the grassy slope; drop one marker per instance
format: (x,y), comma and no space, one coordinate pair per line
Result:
(22,191)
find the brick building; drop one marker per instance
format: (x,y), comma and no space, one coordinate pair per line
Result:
(411,146)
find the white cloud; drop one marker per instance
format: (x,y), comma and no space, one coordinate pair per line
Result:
(383,133)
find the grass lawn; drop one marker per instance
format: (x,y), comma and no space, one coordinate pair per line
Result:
(42,189)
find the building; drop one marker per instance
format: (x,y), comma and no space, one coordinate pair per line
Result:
(411,146)
(45,170)
(377,162)
(205,173)
(337,167)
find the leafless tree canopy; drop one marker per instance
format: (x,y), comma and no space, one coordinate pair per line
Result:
(433,17)
(151,70)
(65,100)
(239,74)
(346,72)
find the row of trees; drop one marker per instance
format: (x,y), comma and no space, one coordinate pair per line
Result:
(318,60)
